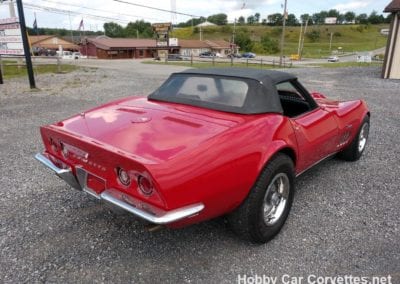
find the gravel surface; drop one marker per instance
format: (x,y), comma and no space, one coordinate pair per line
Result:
(345,219)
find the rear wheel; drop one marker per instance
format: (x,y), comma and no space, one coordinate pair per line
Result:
(262,215)
(354,151)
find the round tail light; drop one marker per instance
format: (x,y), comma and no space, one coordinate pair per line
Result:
(123,177)
(145,185)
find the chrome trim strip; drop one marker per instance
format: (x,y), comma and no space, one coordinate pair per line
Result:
(316,163)
(65,174)
(164,218)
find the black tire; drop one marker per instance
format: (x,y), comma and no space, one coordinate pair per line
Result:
(355,150)
(249,220)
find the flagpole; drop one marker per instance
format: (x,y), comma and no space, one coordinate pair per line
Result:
(84,38)
(70,27)
(37,30)
(283,34)
(80,30)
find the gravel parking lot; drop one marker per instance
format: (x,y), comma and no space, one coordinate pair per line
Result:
(345,219)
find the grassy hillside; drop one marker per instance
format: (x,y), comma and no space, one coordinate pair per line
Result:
(351,38)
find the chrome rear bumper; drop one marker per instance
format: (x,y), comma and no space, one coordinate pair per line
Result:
(65,174)
(117,198)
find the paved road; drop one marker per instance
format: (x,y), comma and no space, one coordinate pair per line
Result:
(345,219)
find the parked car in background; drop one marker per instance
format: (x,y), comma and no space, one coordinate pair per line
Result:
(77,55)
(65,54)
(248,55)
(175,57)
(207,54)
(333,59)
(234,55)
(207,143)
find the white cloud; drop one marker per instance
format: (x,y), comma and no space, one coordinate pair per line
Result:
(124,13)
(351,6)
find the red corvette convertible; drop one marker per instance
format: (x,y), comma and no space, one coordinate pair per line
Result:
(207,143)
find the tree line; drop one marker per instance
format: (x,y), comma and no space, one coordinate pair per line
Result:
(276,19)
(143,29)
(139,29)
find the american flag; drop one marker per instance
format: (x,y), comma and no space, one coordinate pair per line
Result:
(81,26)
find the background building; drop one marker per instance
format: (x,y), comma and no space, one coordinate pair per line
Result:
(104,47)
(48,44)
(391,65)
(193,47)
(117,48)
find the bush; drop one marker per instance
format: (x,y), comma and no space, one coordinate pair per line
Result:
(269,45)
(258,48)
(360,29)
(276,31)
(313,36)
(226,29)
(243,40)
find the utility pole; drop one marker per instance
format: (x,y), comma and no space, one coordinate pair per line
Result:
(302,41)
(25,42)
(330,43)
(233,37)
(12,10)
(1,75)
(283,33)
(300,36)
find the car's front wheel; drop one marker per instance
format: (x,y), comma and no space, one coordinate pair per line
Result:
(262,215)
(354,151)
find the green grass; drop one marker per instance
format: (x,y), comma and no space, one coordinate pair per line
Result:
(11,71)
(349,64)
(351,38)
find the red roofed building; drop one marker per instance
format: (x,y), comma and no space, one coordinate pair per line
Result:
(116,48)
(104,47)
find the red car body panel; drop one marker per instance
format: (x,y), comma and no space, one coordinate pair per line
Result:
(187,151)
(194,155)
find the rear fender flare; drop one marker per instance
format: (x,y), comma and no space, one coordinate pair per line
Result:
(274,148)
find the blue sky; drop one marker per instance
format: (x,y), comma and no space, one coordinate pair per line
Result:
(124,13)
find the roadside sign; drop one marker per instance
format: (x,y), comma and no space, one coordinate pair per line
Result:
(162,33)
(162,27)
(10,37)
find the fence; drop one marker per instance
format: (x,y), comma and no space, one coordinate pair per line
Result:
(13,65)
(238,62)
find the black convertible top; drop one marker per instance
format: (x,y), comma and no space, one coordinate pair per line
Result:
(262,96)
(264,76)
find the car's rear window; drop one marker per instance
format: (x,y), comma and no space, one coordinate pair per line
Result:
(215,90)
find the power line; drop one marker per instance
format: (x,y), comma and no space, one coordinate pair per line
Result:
(99,10)
(157,9)
(68,12)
